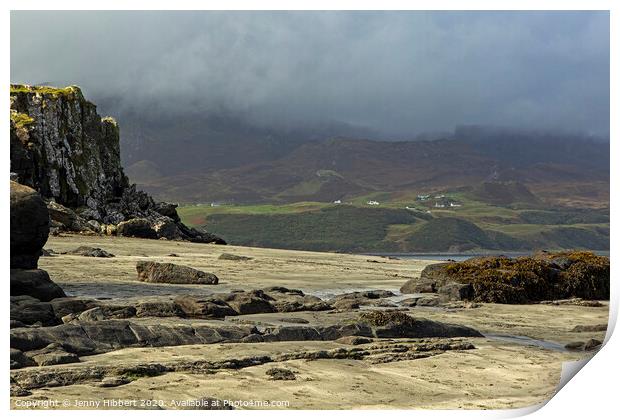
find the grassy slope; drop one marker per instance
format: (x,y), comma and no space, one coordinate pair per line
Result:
(389,227)
(333,228)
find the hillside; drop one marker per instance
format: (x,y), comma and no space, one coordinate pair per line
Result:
(403,228)
(222,158)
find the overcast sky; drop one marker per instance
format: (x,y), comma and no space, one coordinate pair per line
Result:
(397,72)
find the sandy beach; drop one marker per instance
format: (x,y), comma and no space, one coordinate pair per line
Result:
(508,368)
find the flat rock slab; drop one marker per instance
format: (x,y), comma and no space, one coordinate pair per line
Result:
(93,337)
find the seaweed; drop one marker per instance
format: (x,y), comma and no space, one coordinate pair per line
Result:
(543,276)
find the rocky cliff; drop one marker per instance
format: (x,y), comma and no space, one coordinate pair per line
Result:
(61,147)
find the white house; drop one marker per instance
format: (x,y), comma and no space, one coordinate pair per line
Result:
(338,202)
(373,203)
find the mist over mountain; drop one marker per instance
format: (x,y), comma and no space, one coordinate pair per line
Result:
(225,159)
(397,73)
(284,106)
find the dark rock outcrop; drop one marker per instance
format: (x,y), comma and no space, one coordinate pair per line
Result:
(29,232)
(29,226)
(541,277)
(138,227)
(63,149)
(35,283)
(154,272)
(65,219)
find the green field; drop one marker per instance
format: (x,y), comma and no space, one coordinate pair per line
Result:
(403,224)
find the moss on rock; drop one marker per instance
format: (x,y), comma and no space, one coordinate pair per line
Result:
(68,92)
(20,119)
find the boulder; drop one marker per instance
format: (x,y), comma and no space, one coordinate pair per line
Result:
(89,251)
(35,283)
(204,307)
(153,272)
(395,324)
(253,302)
(417,286)
(65,219)
(29,226)
(138,228)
